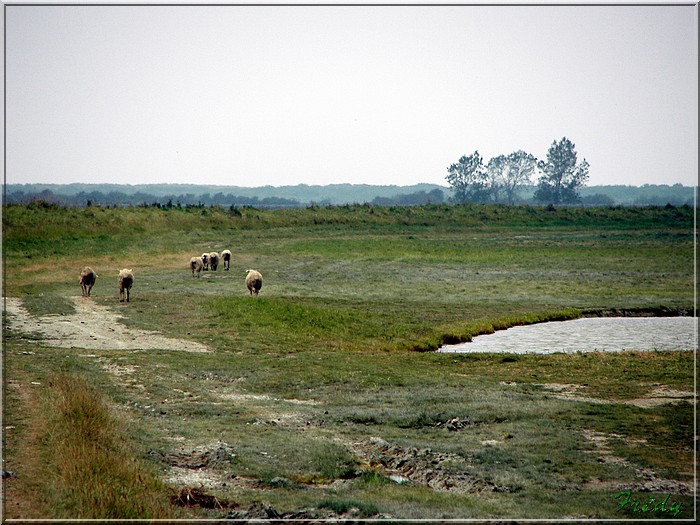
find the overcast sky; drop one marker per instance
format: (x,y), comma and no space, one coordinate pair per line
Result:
(259,95)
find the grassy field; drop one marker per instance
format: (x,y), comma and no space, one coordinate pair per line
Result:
(322,397)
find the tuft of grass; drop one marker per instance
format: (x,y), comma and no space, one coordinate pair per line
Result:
(89,470)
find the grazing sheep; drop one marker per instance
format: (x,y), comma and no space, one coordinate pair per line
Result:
(226,256)
(87,280)
(253,281)
(196,265)
(213,261)
(205,261)
(126,279)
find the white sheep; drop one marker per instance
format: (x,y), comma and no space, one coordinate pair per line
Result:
(87,280)
(205,261)
(226,256)
(126,280)
(253,281)
(213,261)
(196,265)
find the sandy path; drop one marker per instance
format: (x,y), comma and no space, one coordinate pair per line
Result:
(92,327)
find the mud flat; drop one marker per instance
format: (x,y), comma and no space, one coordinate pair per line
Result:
(589,334)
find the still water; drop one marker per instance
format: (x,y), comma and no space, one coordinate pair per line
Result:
(589,334)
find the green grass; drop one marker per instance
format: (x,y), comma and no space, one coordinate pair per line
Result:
(336,350)
(41,305)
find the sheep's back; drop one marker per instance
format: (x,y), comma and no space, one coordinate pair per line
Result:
(88,276)
(126,279)
(254,280)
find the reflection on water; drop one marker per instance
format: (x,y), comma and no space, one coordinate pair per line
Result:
(590,334)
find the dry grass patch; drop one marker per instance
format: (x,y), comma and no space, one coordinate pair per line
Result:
(77,460)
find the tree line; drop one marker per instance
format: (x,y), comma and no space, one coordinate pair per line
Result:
(501,179)
(190,200)
(591,196)
(115,198)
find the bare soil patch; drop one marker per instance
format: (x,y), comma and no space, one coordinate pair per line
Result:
(647,480)
(91,327)
(661,395)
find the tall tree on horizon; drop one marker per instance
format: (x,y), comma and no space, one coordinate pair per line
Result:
(561,176)
(468,179)
(507,173)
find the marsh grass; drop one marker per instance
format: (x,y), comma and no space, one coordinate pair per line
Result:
(84,461)
(326,356)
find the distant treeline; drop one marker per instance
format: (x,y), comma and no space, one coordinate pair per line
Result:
(117,198)
(80,195)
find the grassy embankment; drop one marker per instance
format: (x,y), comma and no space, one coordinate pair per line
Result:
(302,377)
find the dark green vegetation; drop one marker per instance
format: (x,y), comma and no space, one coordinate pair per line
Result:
(303,195)
(321,396)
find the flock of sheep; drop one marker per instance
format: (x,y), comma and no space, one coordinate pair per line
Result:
(210,261)
(206,261)
(197,264)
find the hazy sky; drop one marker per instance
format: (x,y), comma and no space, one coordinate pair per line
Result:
(261,95)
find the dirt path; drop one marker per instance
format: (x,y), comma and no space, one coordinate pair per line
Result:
(92,327)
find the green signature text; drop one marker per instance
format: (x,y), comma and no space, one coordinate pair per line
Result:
(636,505)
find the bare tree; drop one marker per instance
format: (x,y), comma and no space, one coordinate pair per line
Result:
(507,173)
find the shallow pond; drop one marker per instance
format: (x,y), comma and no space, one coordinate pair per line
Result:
(589,334)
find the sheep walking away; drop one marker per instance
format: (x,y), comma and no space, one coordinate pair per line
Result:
(213,261)
(196,265)
(226,257)
(87,280)
(126,280)
(253,281)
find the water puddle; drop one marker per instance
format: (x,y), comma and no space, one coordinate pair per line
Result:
(589,334)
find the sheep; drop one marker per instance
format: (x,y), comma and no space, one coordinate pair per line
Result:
(196,265)
(205,261)
(87,280)
(226,256)
(253,281)
(213,261)
(126,279)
